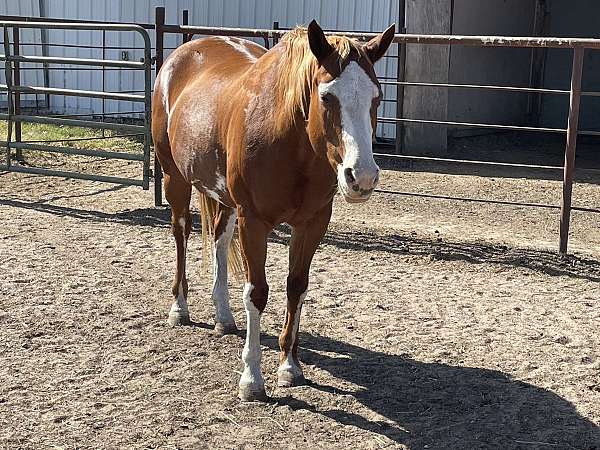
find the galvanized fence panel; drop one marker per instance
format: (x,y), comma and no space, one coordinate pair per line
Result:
(87,56)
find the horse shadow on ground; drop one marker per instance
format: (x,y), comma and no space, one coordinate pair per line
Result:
(438,406)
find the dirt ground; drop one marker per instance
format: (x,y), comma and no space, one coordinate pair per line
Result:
(430,324)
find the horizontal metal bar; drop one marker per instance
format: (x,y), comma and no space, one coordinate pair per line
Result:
(78,93)
(73,25)
(88,46)
(466,161)
(483,200)
(75,151)
(476,86)
(97,114)
(76,175)
(29,19)
(497,41)
(479,41)
(75,123)
(472,125)
(92,138)
(72,69)
(590,171)
(491,87)
(74,61)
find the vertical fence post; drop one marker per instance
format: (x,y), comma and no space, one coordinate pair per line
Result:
(571,145)
(17,95)
(186,21)
(159,23)
(9,102)
(275,38)
(103,80)
(400,76)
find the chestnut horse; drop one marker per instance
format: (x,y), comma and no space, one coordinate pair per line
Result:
(266,137)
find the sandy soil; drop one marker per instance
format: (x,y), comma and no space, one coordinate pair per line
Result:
(429,324)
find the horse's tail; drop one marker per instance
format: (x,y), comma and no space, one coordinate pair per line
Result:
(209,208)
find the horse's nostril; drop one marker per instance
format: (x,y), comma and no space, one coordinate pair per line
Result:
(348,173)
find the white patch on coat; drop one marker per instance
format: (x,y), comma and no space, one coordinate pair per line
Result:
(252,375)
(289,364)
(220,292)
(180,305)
(355,91)
(212,194)
(240,47)
(220,183)
(163,81)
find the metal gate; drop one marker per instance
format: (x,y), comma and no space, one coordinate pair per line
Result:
(13,61)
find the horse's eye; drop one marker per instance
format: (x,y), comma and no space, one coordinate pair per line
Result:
(326,99)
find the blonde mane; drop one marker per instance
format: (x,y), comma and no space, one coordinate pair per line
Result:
(296,70)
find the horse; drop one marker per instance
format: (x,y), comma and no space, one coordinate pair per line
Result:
(266,137)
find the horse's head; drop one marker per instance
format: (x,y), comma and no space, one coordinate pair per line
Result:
(343,109)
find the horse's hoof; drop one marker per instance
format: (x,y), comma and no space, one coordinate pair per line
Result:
(177,319)
(221,329)
(249,393)
(286,379)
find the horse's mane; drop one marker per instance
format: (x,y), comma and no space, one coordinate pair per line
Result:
(296,70)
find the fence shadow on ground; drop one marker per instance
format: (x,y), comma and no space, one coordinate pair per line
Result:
(359,240)
(438,406)
(478,253)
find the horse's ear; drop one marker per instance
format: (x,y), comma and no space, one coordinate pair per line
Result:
(318,42)
(377,46)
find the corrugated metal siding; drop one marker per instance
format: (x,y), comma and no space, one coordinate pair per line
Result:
(31,77)
(361,15)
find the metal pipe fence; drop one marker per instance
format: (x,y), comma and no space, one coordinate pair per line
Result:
(577,45)
(15,117)
(15,64)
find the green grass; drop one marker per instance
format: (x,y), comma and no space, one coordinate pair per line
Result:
(60,135)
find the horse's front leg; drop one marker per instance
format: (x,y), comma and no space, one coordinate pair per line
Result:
(304,243)
(253,239)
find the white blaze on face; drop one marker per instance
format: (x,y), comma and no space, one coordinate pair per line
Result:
(355,91)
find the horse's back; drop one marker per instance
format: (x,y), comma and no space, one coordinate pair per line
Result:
(187,91)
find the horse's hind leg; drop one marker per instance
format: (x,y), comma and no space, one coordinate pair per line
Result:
(178,193)
(224,227)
